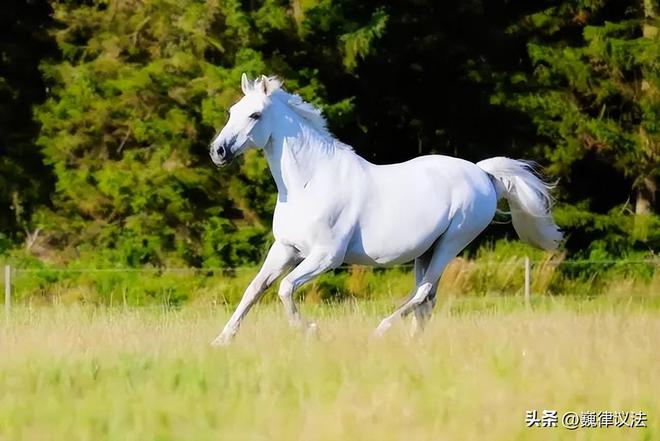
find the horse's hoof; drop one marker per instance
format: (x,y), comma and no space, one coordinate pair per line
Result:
(312,330)
(380,331)
(222,340)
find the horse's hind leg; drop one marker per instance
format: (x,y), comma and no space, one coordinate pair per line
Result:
(448,246)
(422,308)
(423,311)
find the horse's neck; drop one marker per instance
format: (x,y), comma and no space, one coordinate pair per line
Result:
(295,154)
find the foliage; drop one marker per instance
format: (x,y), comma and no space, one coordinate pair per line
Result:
(497,270)
(24,181)
(114,171)
(594,96)
(135,100)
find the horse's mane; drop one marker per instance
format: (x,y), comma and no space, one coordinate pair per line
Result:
(313,115)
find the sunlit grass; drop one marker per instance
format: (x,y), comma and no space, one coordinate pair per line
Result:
(83,373)
(492,271)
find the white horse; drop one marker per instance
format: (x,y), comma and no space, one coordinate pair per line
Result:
(335,207)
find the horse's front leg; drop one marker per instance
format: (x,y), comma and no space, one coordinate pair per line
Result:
(280,258)
(316,263)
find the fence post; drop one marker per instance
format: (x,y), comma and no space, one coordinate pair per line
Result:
(527,282)
(7,291)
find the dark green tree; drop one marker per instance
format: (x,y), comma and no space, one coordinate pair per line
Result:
(136,95)
(592,94)
(137,89)
(25,182)
(133,105)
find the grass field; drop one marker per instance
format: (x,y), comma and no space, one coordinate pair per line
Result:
(76,373)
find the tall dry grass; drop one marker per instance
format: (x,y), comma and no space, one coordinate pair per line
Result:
(87,373)
(498,270)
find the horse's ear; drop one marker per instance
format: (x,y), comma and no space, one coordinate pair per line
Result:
(268,84)
(245,84)
(264,84)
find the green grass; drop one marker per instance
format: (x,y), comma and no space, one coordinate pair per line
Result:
(493,270)
(95,373)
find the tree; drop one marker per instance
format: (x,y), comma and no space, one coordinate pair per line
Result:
(133,105)
(135,98)
(24,180)
(138,88)
(649,130)
(419,81)
(593,96)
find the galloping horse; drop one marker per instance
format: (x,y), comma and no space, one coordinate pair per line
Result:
(336,207)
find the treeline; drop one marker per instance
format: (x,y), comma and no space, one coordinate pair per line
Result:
(107,109)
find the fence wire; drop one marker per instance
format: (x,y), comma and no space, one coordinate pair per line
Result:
(228,270)
(524,263)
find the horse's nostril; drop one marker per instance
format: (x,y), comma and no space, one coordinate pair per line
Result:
(221,151)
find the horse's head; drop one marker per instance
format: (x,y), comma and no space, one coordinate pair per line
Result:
(250,123)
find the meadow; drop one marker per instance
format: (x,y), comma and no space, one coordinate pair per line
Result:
(75,372)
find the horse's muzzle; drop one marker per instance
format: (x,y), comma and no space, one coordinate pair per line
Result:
(222,155)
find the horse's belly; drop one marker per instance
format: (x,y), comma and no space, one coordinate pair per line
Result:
(385,256)
(398,238)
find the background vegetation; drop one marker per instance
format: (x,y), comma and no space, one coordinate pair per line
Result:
(107,108)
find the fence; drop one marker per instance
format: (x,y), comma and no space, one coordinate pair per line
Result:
(525,263)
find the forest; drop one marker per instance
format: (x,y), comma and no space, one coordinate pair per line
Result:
(107,109)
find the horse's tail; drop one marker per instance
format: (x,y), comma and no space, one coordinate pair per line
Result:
(529,200)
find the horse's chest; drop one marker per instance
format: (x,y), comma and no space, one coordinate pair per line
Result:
(289,226)
(305,226)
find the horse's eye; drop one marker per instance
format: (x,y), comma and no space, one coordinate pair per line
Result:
(255,115)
